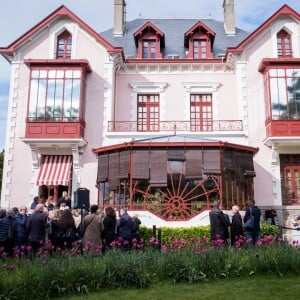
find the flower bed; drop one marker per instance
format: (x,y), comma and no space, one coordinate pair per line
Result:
(178,259)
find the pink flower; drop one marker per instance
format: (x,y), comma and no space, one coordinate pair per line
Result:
(12,267)
(4,266)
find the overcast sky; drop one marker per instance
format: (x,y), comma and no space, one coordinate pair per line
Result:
(18,16)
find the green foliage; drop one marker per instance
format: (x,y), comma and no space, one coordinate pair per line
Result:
(186,256)
(168,233)
(195,260)
(268,229)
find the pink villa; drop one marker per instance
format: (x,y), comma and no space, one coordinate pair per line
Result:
(162,116)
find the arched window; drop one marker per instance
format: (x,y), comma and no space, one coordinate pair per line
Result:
(284,44)
(64,45)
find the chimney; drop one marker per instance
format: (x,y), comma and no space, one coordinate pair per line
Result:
(119,17)
(229,20)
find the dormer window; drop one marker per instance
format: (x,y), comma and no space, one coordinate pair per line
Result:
(284,44)
(149,40)
(64,46)
(199,40)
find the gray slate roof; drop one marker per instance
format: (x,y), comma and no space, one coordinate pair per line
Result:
(174,30)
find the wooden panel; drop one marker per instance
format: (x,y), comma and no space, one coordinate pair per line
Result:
(124,164)
(211,161)
(176,154)
(283,128)
(102,168)
(140,164)
(158,167)
(193,163)
(113,171)
(54,130)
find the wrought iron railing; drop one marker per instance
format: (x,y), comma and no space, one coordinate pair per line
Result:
(216,125)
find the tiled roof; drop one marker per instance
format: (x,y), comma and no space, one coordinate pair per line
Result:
(174,30)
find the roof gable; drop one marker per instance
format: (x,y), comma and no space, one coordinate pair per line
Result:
(62,11)
(146,27)
(199,26)
(285,10)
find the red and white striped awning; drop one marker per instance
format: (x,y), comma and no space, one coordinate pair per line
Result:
(55,170)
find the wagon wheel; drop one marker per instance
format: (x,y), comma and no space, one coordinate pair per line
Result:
(181,199)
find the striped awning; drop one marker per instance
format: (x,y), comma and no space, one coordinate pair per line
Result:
(55,170)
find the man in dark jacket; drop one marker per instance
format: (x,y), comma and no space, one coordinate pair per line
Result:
(20,227)
(7,233)
(253,234)
(124,226)
(218,223)
(236,227)
(36,226)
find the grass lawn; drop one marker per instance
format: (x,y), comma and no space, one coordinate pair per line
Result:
(252,288)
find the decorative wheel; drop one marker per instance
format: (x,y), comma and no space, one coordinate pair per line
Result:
(181,199)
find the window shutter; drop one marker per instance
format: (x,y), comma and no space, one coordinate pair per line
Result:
(113,171)
(124,164)
(140,164)
(211,161)
(193,164)
(158,168)
(102,168)
(176,154)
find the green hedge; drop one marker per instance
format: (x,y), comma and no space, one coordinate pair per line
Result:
(196,232)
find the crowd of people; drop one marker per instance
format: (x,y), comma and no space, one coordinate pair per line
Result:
(56,227)
(223,230)
(56,224)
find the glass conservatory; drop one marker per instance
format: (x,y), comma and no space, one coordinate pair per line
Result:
(174,177)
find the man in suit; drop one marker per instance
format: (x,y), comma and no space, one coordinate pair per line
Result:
(218,224)
(36,227)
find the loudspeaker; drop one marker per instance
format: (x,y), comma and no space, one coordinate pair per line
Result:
(82,199)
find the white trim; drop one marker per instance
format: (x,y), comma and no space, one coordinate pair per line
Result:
(148,87)
(201,87)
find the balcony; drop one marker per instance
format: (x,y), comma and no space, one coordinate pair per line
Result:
(216,125)
(55,129)
(284,128)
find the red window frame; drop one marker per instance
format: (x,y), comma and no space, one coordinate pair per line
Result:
(64,46)
(149,48)
(148,112)
(199,48)
(281,90)
(201,112)
(58,97)
(284,44)
(290,178)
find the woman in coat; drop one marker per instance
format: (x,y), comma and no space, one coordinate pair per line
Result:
(93,228)
(66,229)
(110,227)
